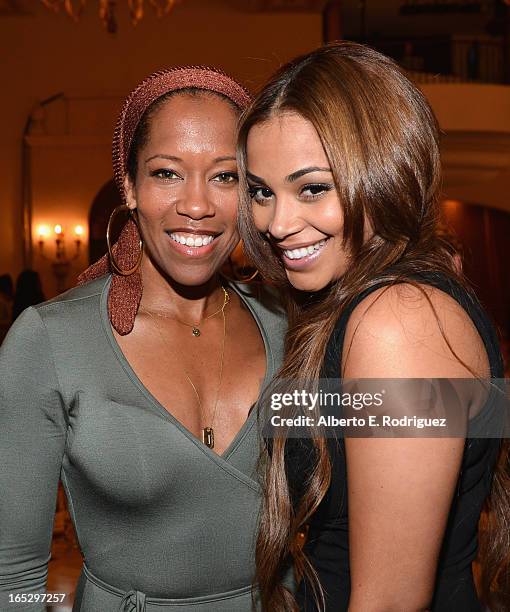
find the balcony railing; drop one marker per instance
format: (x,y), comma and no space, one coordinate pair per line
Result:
(459,59)
(442,7)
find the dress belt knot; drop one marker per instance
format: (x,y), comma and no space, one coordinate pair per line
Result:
(133,601)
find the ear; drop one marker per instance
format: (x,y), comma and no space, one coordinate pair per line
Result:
(129,190)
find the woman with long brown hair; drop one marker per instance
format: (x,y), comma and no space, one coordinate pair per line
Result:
(340,189)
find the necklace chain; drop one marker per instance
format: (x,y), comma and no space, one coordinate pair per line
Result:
(195,327)
(207,432)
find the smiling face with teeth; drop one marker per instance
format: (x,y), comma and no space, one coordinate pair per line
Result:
(294,199)
(185,188)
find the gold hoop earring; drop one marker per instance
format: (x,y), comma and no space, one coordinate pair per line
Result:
(113,263)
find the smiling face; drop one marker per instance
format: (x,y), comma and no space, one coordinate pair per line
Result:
(185,191)
(294,199)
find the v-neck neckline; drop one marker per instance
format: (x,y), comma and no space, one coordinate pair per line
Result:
(250,419)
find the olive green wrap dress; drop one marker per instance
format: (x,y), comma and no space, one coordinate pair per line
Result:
(163,522)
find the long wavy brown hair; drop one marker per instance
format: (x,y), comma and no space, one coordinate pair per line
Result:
(382,142)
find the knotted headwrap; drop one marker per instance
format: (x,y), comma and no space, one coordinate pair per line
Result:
(126,291)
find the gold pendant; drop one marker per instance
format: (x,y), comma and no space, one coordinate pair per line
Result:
(208,436)
(196,332)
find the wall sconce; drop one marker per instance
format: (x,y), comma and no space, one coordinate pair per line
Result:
(60,263)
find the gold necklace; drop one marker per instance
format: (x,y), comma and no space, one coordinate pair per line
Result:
(195,327)
(207,432)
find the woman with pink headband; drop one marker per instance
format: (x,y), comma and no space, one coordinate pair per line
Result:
(135,388)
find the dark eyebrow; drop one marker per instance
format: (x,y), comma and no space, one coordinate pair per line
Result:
(292,177)
(217,160)
(170,157)
(254,178)
(299,173)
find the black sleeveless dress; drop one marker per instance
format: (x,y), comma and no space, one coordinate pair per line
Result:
(327,546)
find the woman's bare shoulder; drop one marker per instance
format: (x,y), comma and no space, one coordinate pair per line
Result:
(412,330)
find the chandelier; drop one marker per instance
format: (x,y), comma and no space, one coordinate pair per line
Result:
(107,9)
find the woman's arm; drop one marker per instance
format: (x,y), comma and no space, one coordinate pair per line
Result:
(32,439)
(400,489)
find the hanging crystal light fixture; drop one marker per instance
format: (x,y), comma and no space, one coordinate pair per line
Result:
(107,8)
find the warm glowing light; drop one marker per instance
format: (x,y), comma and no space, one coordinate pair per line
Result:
(451,205)
(451,209)
(78,230)
(43,231)
(58,229)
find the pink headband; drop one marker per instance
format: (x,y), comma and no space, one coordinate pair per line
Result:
(126,291)
(157,85)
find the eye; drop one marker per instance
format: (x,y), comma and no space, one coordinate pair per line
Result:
(315,190)
(165,173)
(261,195)
(227,178)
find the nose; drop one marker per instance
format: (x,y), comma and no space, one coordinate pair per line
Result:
(195,201)
(286,219)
